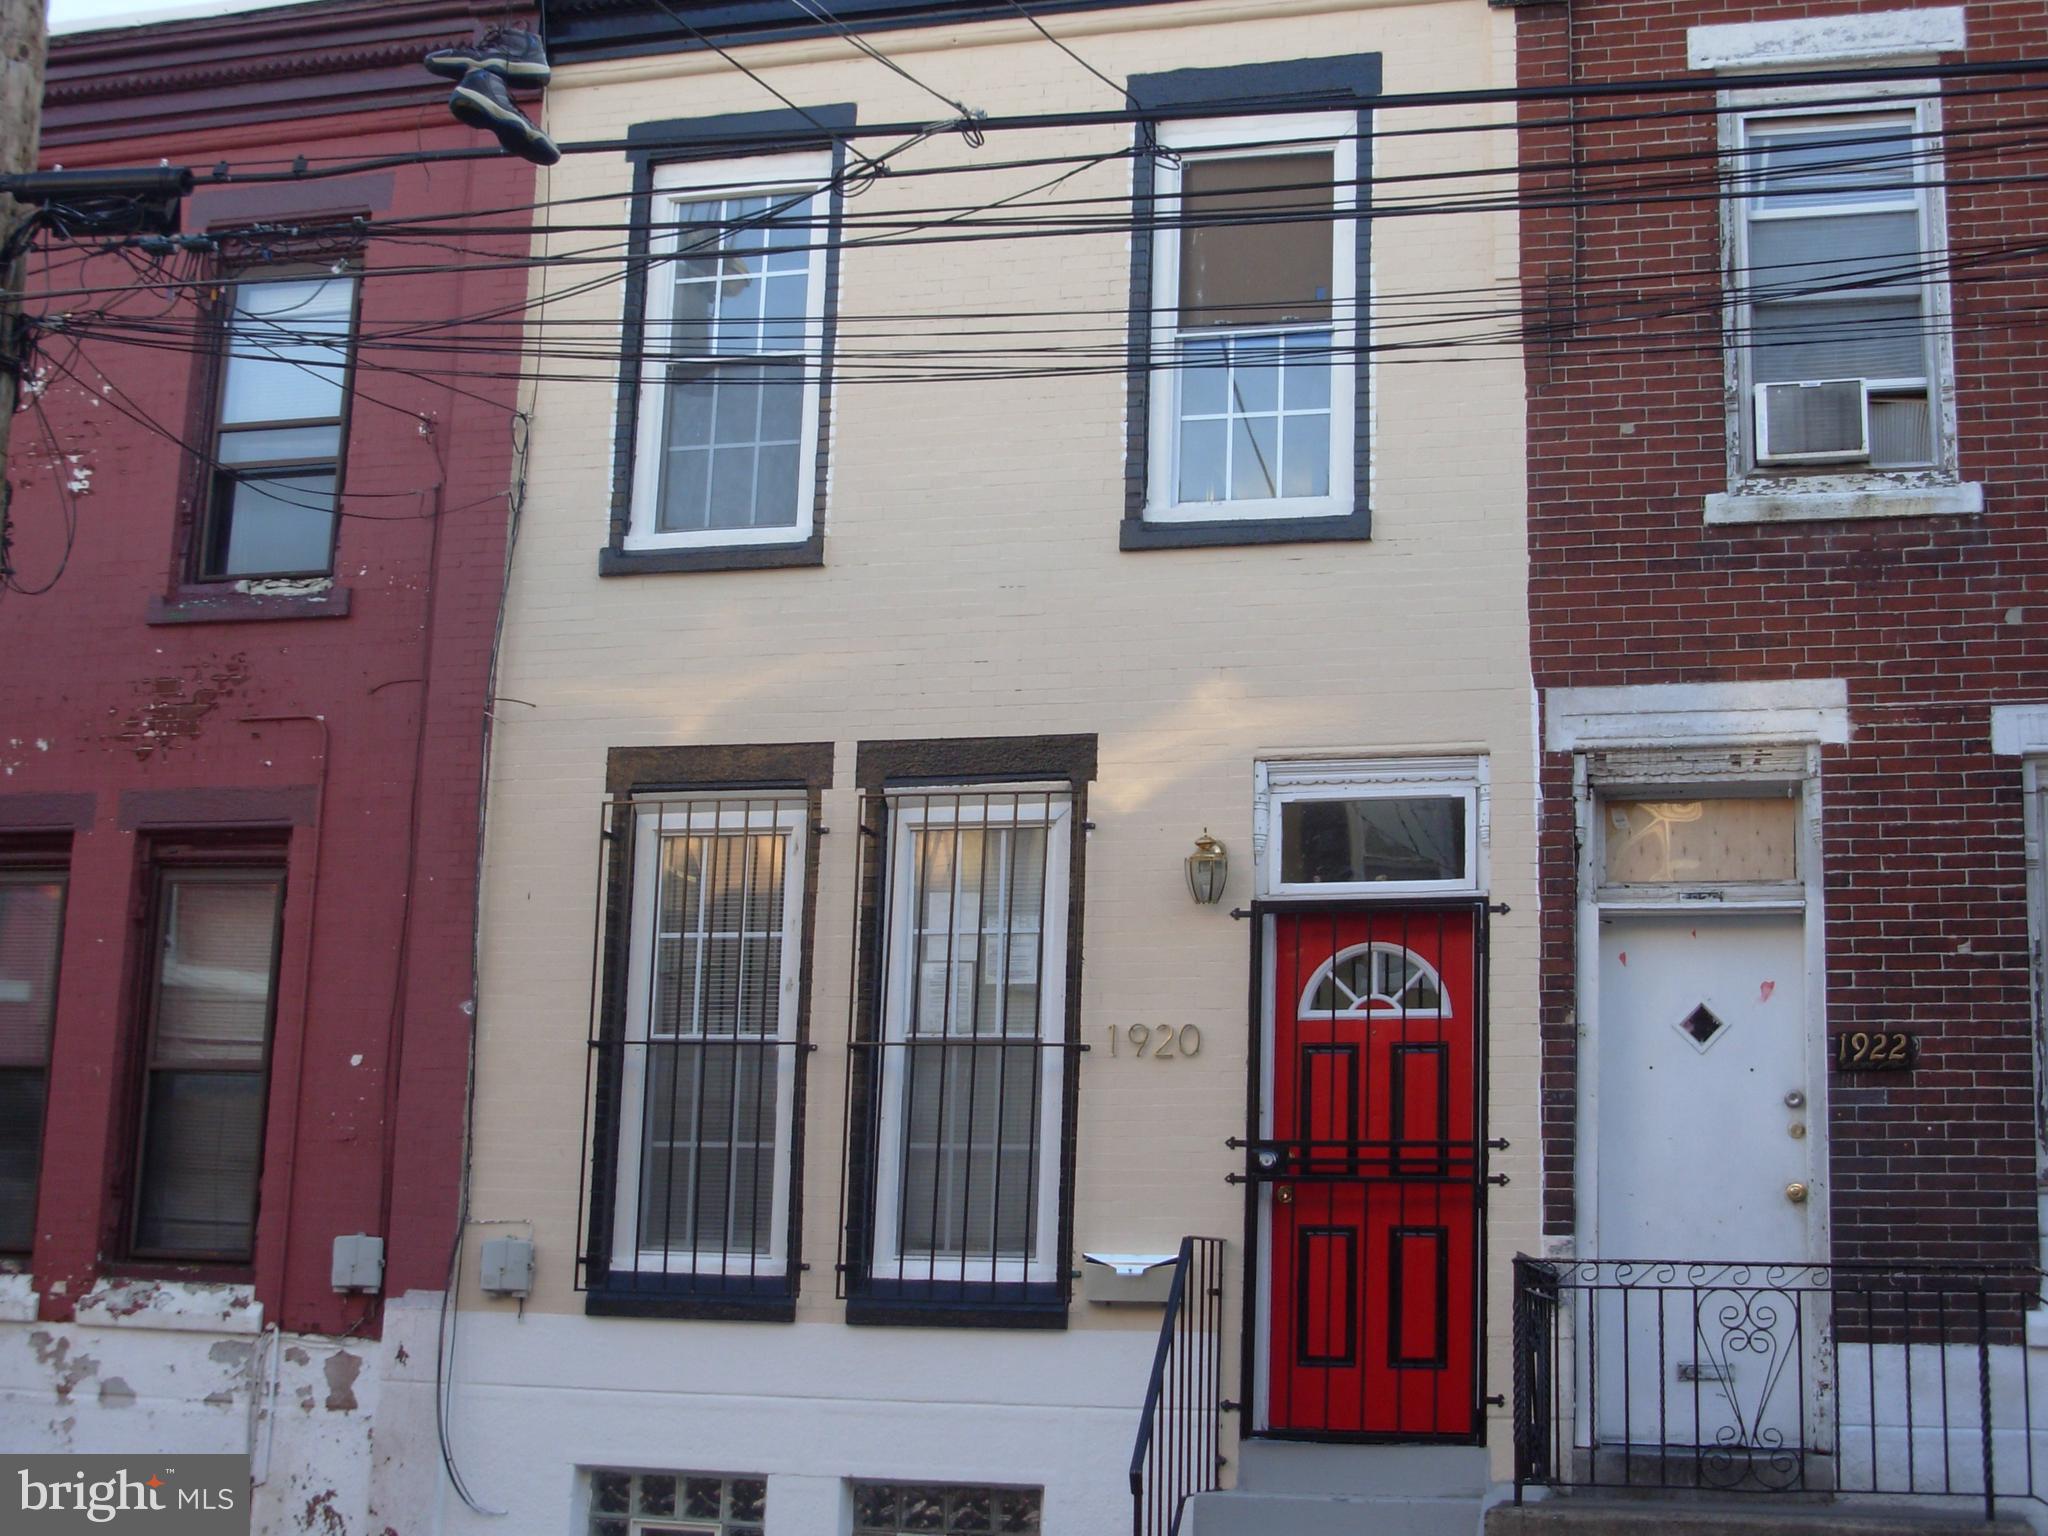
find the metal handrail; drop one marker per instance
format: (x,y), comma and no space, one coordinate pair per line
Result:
(1184,1393)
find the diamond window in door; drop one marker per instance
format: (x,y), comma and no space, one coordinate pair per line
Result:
(1702,1027)
(1370,980)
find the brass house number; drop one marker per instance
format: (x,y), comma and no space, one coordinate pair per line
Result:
(1164,1042)
(1876,1050)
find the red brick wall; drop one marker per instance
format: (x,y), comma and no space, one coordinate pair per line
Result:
(384,757)
(1929,620)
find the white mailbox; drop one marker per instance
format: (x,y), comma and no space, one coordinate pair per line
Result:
(1127,1279)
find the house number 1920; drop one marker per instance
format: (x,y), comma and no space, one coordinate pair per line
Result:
(1163,1041)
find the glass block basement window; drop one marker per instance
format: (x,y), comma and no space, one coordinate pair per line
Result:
(944,1509)
(677,1504)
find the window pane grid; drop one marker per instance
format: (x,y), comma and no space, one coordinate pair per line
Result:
(1255,417)
(738,344)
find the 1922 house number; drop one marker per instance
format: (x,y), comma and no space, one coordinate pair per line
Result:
(1876,1050)
(1164,1041)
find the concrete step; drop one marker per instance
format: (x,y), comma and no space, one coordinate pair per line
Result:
(1239,1513)
(1695,1515)
(1364,1471)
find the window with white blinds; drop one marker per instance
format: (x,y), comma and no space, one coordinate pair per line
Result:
(707,1060)
(31,935)
(1837,279)
(212,1000)
(971,1089)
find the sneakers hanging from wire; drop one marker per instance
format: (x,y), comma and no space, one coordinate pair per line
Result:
(482,101)
(513,53)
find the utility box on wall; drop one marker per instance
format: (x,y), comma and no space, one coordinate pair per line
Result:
(505,1267)
(358,1262)
(1131,1279)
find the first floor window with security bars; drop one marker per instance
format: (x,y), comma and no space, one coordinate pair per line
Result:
(966,1067)
(705,1063)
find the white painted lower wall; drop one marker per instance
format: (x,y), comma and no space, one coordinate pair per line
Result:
(808,1405)
(335,1427)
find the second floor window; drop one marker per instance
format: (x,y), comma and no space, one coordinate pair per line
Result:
(1837,290)
(733,355)
(278,445)
(1254,290)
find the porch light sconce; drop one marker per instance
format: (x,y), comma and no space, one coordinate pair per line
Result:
(1208,869)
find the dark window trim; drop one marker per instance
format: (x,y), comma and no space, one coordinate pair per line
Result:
(715,138)
(193,584)
(40,861)
(781,767)
(225,859)
(955,1303)
(1314,83)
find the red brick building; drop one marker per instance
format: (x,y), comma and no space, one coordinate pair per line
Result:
(257,549)
(1787,481)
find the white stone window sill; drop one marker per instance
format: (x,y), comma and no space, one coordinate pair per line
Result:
(174,1306)
(1837,504)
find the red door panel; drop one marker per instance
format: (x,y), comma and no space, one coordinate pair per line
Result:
(1374,1206)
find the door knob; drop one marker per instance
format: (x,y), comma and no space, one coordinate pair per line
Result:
(1796,1193)
(1284,1193)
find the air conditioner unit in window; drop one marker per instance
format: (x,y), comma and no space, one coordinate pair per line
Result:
(1813,421)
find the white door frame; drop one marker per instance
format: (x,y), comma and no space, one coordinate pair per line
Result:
(1600,775)
(1664,772)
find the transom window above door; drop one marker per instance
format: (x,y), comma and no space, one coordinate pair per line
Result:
(1388,827)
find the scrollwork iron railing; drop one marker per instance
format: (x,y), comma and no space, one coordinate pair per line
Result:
(1761,1378)
(1179,1450)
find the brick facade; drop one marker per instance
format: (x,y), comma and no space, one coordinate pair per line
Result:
(1930,620)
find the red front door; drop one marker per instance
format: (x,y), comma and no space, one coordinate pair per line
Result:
(1375,1183)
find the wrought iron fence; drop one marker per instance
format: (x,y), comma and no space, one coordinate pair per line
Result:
(1760,1378)
(1179,1452)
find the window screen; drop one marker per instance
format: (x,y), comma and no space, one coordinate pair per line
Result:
(214,966)
(1256,239)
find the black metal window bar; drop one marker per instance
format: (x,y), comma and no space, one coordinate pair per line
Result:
(1179,1450)
(959,1084)
(696,1065)
(1757,1378)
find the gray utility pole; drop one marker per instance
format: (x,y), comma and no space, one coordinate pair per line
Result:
(23,46)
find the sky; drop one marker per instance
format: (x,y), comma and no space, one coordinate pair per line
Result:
(83,15)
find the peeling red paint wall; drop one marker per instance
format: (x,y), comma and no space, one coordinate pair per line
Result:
(353,726)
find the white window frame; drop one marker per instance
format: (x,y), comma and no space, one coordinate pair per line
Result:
(652,821)
(1251,138)
(888,1260)
(1746,108)
(777,177)
(1280,784)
